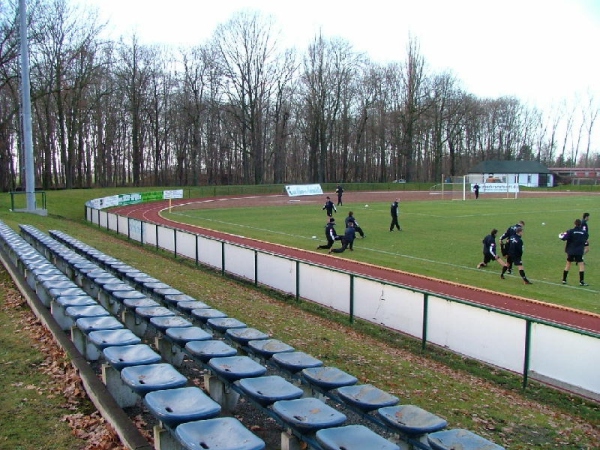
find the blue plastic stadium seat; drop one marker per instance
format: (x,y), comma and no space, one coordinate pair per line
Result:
(182,336)
(222,433)
(222,324)
(295,361)
(146,312)
(130,355)
(353,437)
(109,338)
(366,397)
(121,296)
(72,313)
(139,302)
(460,439)
(232,368)
(269,389)
(244,335)
(175,406)
(328,377)
(308,414)
(161,293)
(152,377)
(60,305)
(206,350)
(411,420)
(187,306)
(203,314)
(174,299)
(268,347)
(150,287)
(161,323)
(89,324)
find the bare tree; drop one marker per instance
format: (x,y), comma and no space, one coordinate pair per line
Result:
(328,69)
(133,78)
(590,114)
(413,105)
(247,51)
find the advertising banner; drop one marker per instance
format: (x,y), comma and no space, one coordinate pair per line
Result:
(296,190)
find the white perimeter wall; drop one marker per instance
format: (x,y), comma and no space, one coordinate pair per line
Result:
(566,357)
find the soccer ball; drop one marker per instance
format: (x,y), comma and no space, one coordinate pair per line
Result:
(314,237)
(543,223)
(366,206)
(561,235)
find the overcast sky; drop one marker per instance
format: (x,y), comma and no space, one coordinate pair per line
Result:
(541,51)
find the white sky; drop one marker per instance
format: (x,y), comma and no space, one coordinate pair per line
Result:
(540,51)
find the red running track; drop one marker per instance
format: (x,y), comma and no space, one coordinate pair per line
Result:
(569,317)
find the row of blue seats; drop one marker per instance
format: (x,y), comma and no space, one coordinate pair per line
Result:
(248,377)
(139,371)
(215,353)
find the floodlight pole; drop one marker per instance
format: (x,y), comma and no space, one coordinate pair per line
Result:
(26,105)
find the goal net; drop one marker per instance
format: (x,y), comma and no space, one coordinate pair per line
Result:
(456,188)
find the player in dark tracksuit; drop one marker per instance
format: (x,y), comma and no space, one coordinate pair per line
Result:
(347,240)
(577,240)
(584,222)
(505,240)
(515,254)
(329,207)
(358,229)
(584,225)
(330,235)
(489,250)
(339,190)
(394,211)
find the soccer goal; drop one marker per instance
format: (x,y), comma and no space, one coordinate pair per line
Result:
(461,187)
(456,188)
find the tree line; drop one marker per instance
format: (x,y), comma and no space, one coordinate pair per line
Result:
(240,109)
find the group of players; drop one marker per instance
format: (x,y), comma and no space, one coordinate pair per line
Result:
(511,246)
(511,242)
(351,225)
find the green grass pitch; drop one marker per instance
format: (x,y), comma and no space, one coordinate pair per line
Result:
(440,239)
